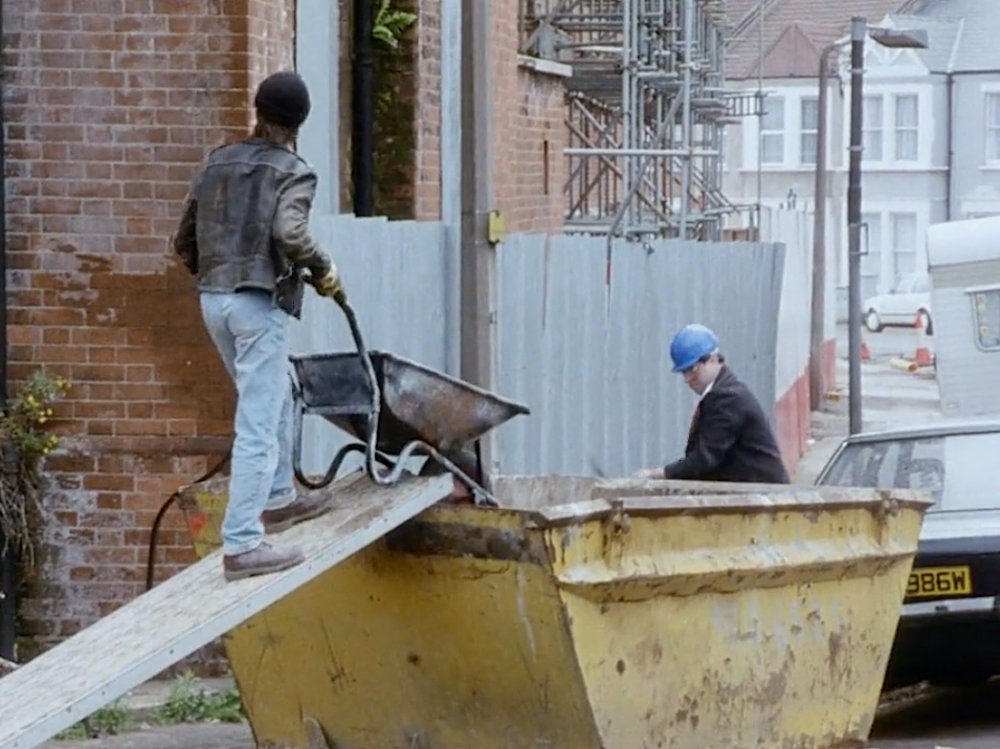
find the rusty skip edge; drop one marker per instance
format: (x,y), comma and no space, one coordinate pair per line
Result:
(464,530)
(881,503)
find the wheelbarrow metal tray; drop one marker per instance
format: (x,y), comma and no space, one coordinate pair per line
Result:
(417,402)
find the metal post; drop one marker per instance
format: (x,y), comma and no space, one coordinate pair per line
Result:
(477,254)
(629,104)
(858,29)
(688,31)
(760,112)
(817,322)
(451,176)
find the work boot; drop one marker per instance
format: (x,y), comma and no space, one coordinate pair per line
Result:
(263,560)
(305,507)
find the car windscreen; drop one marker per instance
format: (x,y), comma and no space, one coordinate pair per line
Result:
(961,471)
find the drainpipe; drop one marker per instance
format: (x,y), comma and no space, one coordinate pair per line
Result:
(8,564)
(363,115)
(950,125)
(817,325)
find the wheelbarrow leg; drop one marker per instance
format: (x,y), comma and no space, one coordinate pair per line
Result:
(482,496)
(331,472)
(338,459)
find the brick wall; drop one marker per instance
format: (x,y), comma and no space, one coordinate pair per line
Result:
(529,133)
(111,105)
(528,126)
(427,192)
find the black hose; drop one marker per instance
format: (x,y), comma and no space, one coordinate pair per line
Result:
(151,557)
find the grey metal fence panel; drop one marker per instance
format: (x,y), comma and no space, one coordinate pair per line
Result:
(590,357)
(394,273)
(587,356)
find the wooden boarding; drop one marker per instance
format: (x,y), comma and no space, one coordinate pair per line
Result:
(190,610)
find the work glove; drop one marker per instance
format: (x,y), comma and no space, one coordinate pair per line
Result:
(330,285)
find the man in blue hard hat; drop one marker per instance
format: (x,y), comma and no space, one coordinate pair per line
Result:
(730,437)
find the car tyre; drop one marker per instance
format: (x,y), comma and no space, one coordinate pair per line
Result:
(873,322)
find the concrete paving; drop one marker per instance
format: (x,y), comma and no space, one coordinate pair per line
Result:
(191,736)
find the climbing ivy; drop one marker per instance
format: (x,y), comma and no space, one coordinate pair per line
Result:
(394,113)
(390,24)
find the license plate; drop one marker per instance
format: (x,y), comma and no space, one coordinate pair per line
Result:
(938,581)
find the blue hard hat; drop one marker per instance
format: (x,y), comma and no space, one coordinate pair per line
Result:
(690,345)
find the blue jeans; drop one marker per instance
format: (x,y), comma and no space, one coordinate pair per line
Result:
(251,334)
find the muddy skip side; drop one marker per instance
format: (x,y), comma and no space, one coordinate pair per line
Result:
(589,615)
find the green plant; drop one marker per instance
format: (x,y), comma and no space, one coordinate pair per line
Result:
(189,702)
(108,721)
(395,130)
(390,24)
(26,441)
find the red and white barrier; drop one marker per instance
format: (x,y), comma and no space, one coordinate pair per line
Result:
(922,356)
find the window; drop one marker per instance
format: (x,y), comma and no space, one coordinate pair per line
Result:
(986,312)
(904,244)
(958,470)
(871,243)
(872,129)
(772,131)
(993,127)
(906,128)
(810,122)
(871,248)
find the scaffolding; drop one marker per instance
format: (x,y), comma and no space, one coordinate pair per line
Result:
(646,109)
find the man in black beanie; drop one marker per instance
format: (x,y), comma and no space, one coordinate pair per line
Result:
(245,235)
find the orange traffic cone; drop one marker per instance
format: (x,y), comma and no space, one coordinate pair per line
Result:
(922,356)
(866,354)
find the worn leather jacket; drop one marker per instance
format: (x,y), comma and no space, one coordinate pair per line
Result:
(246,223)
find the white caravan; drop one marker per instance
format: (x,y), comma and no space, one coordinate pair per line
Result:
(964,263)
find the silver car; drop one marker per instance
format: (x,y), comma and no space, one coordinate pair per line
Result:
(950,625)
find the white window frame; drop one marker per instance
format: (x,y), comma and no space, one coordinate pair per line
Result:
(898,249)
(804,132)
(872,125)
(913,129)
(886,266)
(779,134)
(991,98)
(889,91)
(872,244)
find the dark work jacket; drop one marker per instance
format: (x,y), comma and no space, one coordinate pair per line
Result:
(730,439)
(246,222)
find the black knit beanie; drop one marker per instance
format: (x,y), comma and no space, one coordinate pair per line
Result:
(283,99)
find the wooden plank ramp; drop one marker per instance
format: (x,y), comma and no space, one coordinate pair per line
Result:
(190,610)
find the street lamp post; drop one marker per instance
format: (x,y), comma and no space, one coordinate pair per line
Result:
(896,38)
(858,28)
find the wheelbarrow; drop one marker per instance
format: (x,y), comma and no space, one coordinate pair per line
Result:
(397,409)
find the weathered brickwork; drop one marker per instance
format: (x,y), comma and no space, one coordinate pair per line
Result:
(110,107)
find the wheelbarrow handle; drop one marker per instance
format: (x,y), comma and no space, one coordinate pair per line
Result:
(376,403)
(359,342)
